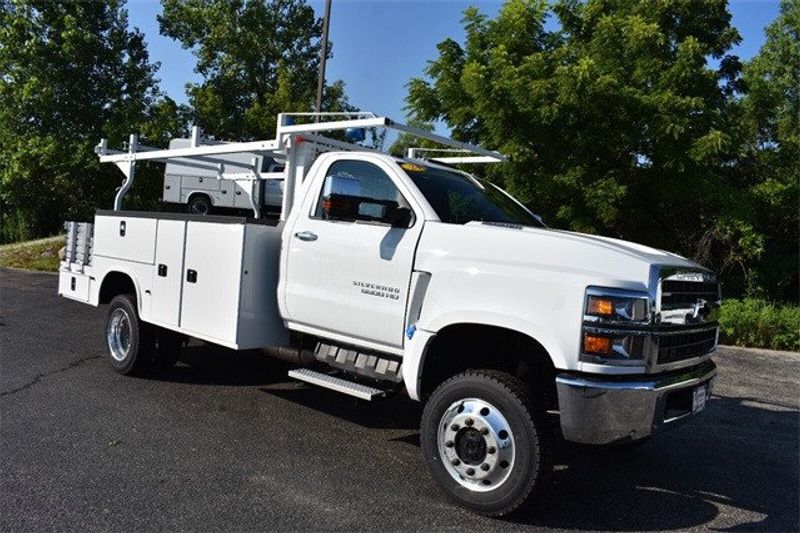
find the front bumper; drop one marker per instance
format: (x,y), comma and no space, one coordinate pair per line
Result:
(602,410)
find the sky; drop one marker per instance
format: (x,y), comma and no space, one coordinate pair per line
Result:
(379,45)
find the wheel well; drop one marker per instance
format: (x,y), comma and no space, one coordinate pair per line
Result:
(460,347)
(116,283)
(194,195)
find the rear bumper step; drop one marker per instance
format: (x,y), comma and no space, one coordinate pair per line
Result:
(344,386)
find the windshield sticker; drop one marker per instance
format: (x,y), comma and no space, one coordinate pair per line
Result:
(412,167)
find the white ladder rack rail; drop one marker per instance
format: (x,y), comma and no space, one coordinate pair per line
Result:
(280,146)
(416,153)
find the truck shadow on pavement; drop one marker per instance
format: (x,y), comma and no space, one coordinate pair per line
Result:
(740,457)
(682,479)
(206,364)
(740,454)
(398,413)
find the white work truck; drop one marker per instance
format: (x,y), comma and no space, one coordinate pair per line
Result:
(385,275)
(226,183)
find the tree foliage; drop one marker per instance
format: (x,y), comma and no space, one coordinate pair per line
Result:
(257,58)
(626,119)
(72,73)
(770,163)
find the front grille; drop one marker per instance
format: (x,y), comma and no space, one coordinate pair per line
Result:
(680,346)
(680,293)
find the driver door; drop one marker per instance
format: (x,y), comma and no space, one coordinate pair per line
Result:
(351,252)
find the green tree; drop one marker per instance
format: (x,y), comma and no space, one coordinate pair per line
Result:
(616,122)
(770,162)
(257,58)
(72,73)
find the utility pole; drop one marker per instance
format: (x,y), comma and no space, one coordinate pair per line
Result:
(323,56)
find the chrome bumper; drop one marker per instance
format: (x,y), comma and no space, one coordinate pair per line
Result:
(599,410)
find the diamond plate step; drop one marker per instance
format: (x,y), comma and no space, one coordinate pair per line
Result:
(338,384)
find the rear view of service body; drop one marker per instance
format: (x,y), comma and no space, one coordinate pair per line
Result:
(379,275)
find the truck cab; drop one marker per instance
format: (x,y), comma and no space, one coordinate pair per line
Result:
(399,275)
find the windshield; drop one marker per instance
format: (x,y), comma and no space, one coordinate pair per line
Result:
(458,199)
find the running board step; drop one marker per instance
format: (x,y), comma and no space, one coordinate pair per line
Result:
(338,384)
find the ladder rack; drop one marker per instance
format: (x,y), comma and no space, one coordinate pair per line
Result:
(288,135)
(415,153)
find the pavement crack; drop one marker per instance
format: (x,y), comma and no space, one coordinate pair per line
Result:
(39,377)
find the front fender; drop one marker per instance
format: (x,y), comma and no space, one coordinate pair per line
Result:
(415,349)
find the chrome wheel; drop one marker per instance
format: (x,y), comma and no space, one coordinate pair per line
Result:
(119,334)
(476,444)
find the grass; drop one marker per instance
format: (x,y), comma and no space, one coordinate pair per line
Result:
(41,254)
(757,323)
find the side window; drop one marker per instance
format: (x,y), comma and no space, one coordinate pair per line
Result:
(358,190)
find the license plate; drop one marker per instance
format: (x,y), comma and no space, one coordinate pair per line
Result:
(699,399)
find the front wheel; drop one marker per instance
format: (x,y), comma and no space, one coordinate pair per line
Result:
(485,441)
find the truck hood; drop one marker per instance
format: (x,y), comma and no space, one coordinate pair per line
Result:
(633,249)
(593,259)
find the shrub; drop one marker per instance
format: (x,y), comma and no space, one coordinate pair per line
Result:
(759,323)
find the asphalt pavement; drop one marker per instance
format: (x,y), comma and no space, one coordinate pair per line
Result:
(225,441)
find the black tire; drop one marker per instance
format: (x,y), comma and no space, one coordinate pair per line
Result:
(529,442)
(200,205)
(131,342)
(167,350)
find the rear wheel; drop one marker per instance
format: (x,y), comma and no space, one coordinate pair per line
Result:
(199,205)
(131,342)
(485,441)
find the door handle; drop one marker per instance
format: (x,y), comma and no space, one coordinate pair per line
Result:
(306,235)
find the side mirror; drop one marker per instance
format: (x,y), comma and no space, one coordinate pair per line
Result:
(400,217)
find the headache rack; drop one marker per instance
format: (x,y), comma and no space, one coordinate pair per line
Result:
(290,145)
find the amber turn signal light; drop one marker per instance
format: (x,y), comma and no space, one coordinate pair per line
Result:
(596,345)
(600,306)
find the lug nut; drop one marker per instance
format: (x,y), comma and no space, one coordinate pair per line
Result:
(485,467)
(455,427)
(470,471)
(485,431)
(455,462)
(449,444)
(490,449)
(469,421)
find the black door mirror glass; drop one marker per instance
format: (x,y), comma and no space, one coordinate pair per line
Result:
(401,217)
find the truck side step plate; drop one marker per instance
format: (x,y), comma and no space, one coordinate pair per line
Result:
(338,384)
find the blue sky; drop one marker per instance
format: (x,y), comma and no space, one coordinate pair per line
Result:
(379,45)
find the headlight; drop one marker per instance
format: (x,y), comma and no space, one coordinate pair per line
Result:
(616,306)
(612,326)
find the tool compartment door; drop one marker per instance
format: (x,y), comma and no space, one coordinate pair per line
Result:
(211,279)
(168,273)
(125,237)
